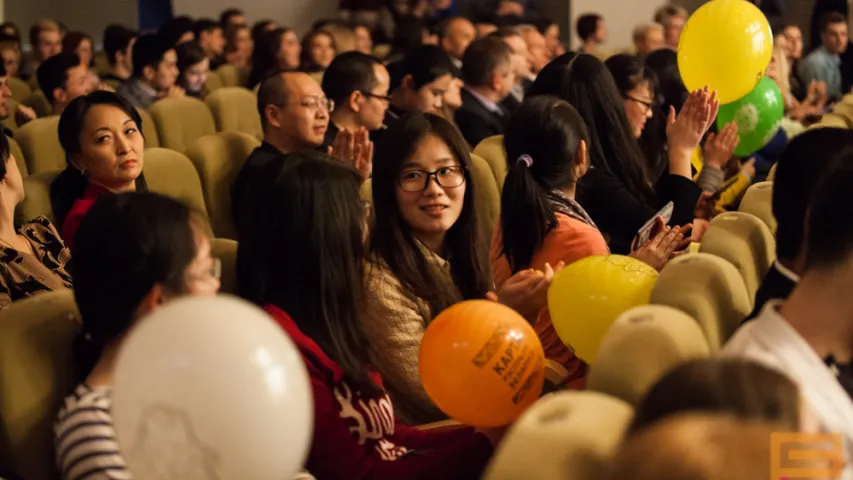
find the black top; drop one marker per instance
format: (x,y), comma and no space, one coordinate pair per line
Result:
(619,213)
(476,122)
(391,116)
(329,138)
(774,286)
(240,198)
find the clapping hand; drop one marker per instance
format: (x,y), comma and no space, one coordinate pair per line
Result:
(719,148)
(526,292)
(24,115)
(657,251)
(685,130)
(354,149)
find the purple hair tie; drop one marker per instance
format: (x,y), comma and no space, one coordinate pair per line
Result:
(525,159)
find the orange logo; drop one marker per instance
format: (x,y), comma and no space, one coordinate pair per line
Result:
(806,455)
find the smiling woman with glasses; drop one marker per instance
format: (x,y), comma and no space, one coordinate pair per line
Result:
(426,249)
(637,85)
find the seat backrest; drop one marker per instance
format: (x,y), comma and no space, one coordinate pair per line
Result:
(36,373)
(743,240)
(20,160)
(831,120)
(39,141)
(758,201)
(492,151)
(149,129)
(37,200)
(226,251)
(772,173)
(488,199)
(229,75)
(20,89)
(235,110)
(9,122)
(567,435)
(38,102)
(171,173)
(845,111)
(212,84)
(708,289)
(218,160)
(641,345)
(181,121)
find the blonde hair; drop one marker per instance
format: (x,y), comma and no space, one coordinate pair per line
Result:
(697,447)
(783,75)
(43,25)
(640,31)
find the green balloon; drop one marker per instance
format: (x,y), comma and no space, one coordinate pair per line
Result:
(758,116)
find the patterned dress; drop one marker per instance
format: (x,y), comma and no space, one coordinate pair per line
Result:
(23,274)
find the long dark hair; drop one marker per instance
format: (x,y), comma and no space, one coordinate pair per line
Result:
(550,131)
(306,256)
(265,54)
(583,81)
(72,40)
(71,183)
(306,61)
(126,244)
(392,240)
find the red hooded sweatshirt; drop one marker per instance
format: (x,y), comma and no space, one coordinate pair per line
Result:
(356,435)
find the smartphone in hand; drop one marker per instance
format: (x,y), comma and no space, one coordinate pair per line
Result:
(646,231)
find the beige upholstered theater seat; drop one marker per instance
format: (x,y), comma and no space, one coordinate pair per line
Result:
(745,241)
(366,191)
(181,121)
(831,120)
(708,289)
(643,344)
(20,89)
(37,200)
(39,141)
(226,251)
(758,201)
(167,172)
(38,102)
(9,122)
(568,435)
(772,174)
(171,173)
(218,159)
(15,149)
(235,109)
(213,83)
(845,111)
(488,197)
(149,130)
(492,151)
(232,76)
(36,373)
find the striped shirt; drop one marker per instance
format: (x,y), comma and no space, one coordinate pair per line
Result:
(86,446)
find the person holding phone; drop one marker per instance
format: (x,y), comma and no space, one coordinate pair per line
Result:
(617,192)
(541,223)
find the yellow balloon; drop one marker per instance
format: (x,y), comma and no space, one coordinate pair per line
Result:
(586,297)
(726,45)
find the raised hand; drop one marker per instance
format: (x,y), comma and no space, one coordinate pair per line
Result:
(354,149)
(24,115)
(719,148)
(685,130)
(657,251)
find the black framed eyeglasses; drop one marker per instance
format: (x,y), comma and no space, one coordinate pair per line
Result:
(418,180)
(648,105)
(373,95)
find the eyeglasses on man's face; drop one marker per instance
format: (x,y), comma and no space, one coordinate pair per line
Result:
(373,95)
(317,103)
(418,180)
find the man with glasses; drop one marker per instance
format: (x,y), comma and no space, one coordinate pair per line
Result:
(358,84)
(295,116)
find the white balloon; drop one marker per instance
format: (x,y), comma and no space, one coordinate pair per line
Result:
(211,388)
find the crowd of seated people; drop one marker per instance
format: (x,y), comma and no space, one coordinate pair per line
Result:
(369,127)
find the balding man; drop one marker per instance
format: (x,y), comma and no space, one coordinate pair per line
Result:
(456,35)
(648,38)
(537,48)
(294,115)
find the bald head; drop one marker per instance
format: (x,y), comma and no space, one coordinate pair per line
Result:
(294,111)
(457,34)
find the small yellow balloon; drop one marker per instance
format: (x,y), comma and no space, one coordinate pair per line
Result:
(586,297)
(726,45)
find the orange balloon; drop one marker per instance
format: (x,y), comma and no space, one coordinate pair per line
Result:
(482,363)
